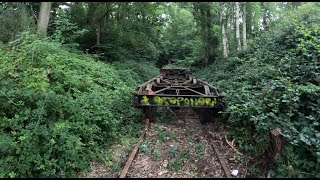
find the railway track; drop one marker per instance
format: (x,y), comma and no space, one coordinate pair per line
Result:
(179,90)
(206,135)
(217,152)
(134,151)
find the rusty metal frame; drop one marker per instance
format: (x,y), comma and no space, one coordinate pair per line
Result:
(174,83)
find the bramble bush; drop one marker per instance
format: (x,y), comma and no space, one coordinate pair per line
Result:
(275,83)
(58,109)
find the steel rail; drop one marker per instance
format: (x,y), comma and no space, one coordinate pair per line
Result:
(124,172)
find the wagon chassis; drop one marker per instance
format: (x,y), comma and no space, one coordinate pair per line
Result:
(177,88)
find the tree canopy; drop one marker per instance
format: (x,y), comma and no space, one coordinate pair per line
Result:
(67,70)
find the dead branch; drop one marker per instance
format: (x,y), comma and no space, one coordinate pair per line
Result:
(139,162)
(172,112)
(245,172)
(231,145)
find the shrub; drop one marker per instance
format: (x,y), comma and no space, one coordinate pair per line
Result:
(57,109)
(275,83)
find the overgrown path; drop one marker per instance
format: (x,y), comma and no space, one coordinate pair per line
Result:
(180,149)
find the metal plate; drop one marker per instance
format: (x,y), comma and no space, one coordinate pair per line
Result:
(177,101)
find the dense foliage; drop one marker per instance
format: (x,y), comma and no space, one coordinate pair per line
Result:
(14,19)
(275,83)
(58,108)
(66,98)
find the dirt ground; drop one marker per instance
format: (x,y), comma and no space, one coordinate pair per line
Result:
(180,149)
(176,149)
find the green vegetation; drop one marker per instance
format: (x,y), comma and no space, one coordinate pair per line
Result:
(179,160)
(162,136)
(58,108)
(68,70)
(155,153)
(173,151)
(144,148)
(275,83)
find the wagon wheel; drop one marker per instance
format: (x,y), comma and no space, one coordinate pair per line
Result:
(206,115)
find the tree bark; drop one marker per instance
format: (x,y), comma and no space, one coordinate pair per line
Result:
(248,18)
(233,21)
(204,36)
(98,32)
(224,34)
(43,20)
(244,30)
(104,17)
(90,12)
(224,41)
(202,14)
(229,23)
(237,25)
(264,15)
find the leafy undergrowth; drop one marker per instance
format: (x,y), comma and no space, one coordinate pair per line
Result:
(59,109)
(275,83)
(136,71)
(111,160)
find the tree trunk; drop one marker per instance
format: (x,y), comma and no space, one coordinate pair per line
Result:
(228,25)
(104,17)
(90,12)
(237,25)
(204,36)
(224,34)
(212,40)
(244,30)
(202,14)
(169,61)
(233,23)
(102,23)
(264,15)
(43,20)
(248,18)
(98,31)
(224,41)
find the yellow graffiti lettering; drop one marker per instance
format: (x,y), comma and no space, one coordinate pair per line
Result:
(207,101)
(201,101)
(213,102)
(186,101)
(173,100)
(196,102)
(158,100)
(145,100)
(191,101)
(165,100)
(179,100)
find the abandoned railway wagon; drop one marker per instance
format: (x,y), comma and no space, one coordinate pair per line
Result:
(177,88)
